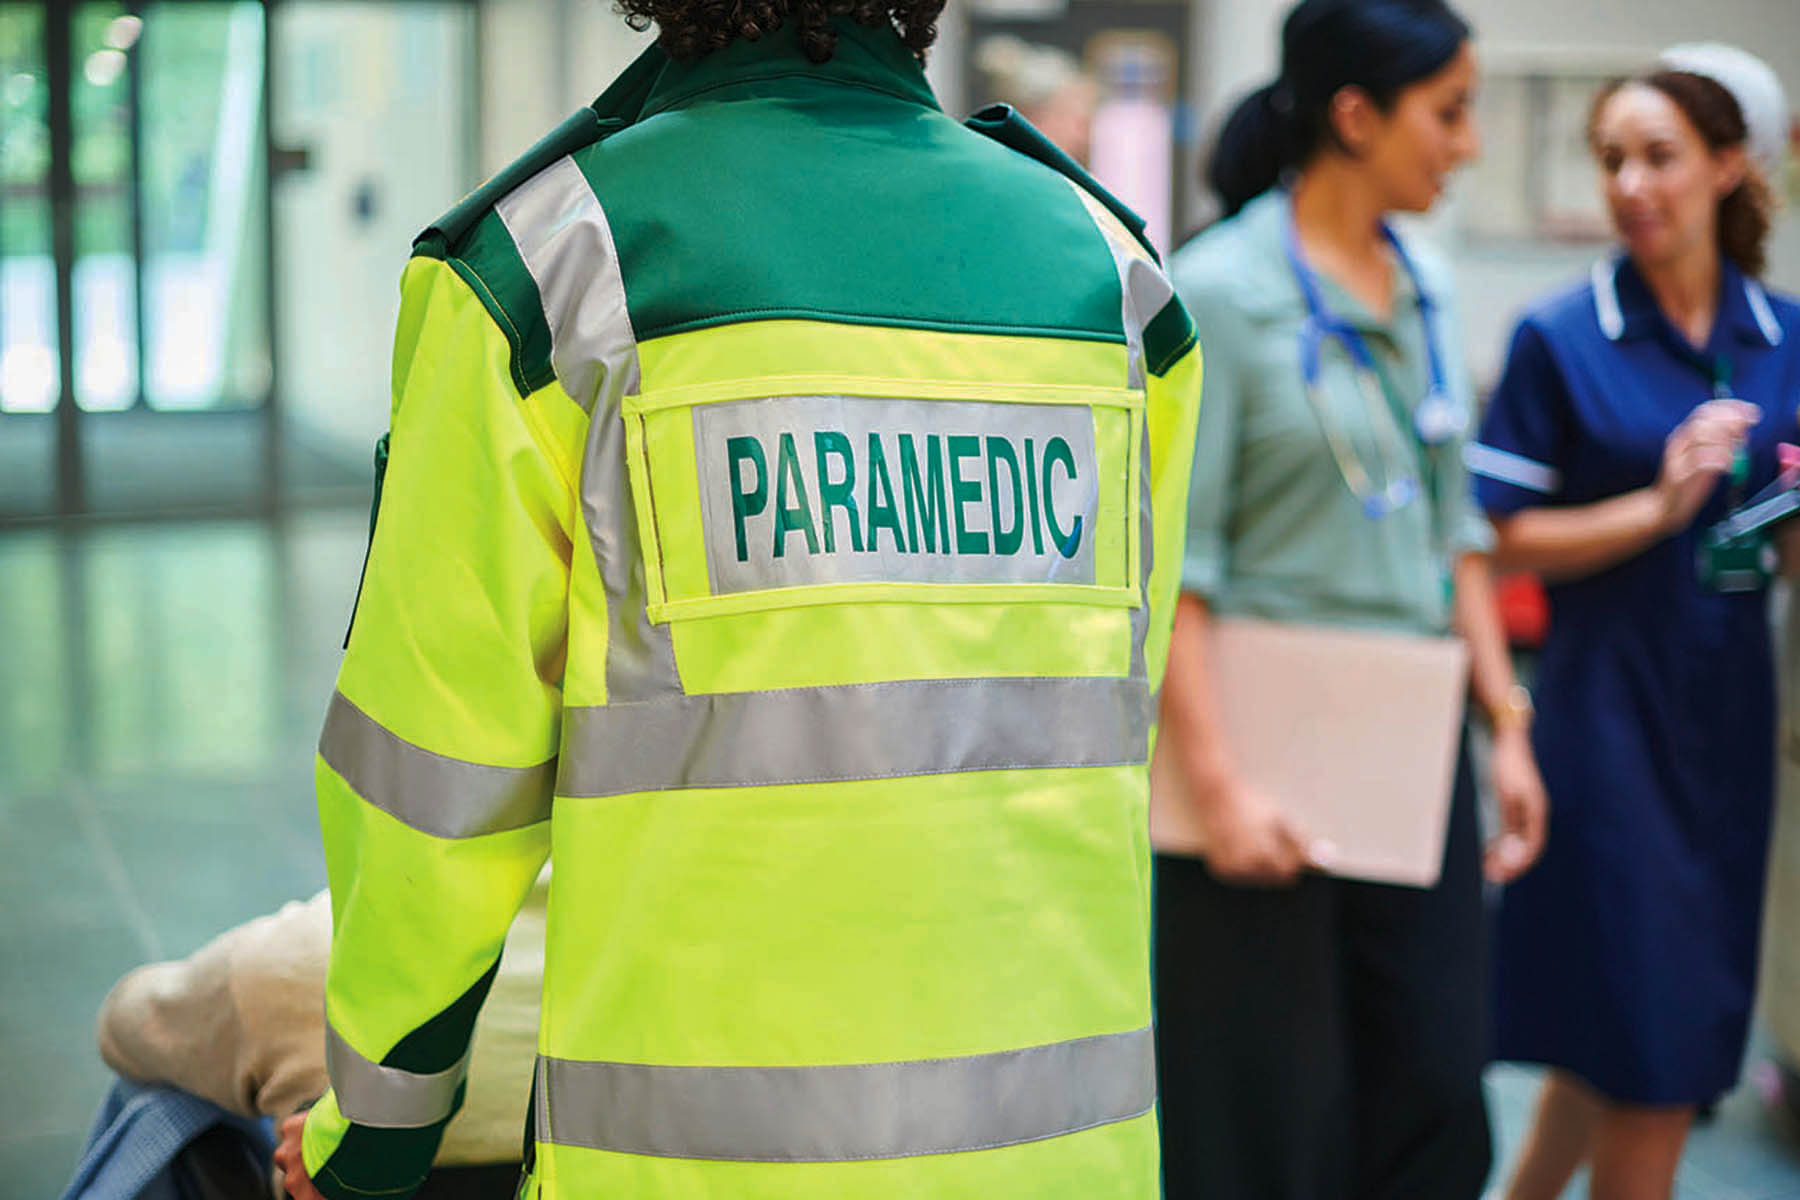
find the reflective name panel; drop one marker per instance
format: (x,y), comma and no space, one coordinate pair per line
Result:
(806,490)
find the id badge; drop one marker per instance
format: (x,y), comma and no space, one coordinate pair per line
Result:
(1741,564)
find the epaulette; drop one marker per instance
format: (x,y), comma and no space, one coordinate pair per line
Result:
(616,108)
(583,128)
(1003,123)
(472,240)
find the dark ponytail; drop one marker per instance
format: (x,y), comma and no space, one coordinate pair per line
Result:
(1379,46)
(1259,141)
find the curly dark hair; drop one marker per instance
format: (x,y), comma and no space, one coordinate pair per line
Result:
(691,28)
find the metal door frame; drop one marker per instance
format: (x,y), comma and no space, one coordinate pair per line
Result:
(71,497)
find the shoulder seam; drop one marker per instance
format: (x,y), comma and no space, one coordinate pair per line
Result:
(515,367)
(1176,352)
(488,261)
(546,443)
(584,128)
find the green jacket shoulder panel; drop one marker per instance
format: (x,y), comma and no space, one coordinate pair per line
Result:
(475,243)
(583,128)
(486,259)
(617,107)
(1168,337)
(932,225)
(1003,124)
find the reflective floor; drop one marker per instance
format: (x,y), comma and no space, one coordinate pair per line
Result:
(161,688)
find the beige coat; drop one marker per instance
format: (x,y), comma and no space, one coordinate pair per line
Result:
(241,1022)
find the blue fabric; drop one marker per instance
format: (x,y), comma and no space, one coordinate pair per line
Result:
(138,1134)
(1628,955)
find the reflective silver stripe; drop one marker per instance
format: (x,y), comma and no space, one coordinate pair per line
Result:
(562,235)
(1604,277)
(444,797)
(560,232)
(1763,312)
(845,1113)
(1143,288)
(856,731)
(1140,616)
(1148,291)
(1511,468)
(387,1097)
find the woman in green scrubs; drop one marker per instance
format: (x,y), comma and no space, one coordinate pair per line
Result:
(1323,1037)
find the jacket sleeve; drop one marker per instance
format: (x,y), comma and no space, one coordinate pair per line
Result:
(1528,436)
(437,761)
(1166,339)
(1172,399)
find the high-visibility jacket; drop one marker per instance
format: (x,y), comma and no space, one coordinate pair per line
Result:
(781,530)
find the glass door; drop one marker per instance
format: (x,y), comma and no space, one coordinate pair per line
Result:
(29,350)
(167,346)
(135,372)
(173,380)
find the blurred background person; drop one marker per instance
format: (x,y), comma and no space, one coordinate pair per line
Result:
(1321,1037)
(1635,410)
(1047,86)
(240,1023)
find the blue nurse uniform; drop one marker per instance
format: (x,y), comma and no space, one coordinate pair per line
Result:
(1628,955)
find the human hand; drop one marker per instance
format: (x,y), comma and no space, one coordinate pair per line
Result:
(1524,808)
(1697,454)
(287,1157)
(1248,841)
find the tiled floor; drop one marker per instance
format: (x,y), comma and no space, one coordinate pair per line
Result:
(161,689)
(1746,1152)
(160,692)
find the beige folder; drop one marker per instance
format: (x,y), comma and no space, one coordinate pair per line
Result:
(1354,733)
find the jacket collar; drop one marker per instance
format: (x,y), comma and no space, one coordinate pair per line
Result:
(873,59)
(1627,309)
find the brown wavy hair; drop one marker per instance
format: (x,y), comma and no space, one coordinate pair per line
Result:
(1747,214)
(688,29)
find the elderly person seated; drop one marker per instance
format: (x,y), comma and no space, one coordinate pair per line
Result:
(241,1023)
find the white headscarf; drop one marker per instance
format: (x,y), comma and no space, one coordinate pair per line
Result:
(1755,87)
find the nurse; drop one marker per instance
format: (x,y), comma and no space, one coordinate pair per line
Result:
(1320,1038)
(1634,411)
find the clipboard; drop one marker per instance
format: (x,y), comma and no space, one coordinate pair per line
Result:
(1355,733)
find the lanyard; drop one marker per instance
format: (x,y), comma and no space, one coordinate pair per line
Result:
(1437,419)
(1717,370)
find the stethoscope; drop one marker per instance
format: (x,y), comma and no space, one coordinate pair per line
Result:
(1437,419)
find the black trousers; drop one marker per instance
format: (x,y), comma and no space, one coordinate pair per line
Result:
(1325,1041)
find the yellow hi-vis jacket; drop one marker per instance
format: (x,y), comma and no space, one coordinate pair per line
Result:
(781,532)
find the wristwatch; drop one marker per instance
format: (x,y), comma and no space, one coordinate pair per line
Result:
(1515,710)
